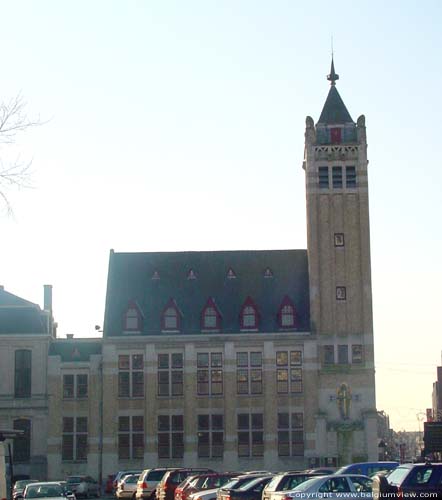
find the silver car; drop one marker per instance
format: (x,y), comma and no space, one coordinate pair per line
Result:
(127,487)
(83,486)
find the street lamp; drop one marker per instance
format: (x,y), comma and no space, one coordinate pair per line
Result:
(382,447)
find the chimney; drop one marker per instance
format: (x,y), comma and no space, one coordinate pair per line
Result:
(47,297)
(70,336)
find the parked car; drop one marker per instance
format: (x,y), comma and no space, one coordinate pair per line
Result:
(172,478)
(69,494)
(367,468)
(423,480)
(127,486)
(200,482)
(44,490)
(251,490)
(148,482)
(276,488)
(83,486)
(350,486)
(120,474)
(19,487)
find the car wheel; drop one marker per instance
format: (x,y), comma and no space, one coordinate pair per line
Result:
(380,487)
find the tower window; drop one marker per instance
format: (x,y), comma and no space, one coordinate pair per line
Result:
(350,177)
(342,354)
(287,314)
(337,177)
(210,317)
(336,135)
(339,239)
(132,318)
(323,177)
(171,317)
(329,354)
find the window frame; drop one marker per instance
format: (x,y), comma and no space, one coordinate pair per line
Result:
(171,305)
(74,439)
(287,302)
(210,304)
(129,376)
(252,311)
(23,373)
(133,434)
(136,315)
(170,376)
(170,436)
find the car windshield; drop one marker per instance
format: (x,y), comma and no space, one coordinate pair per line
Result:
(155,475)
(306,484)
(133,478)
(73,479)
(44,491)
(250,484)
(398,475)
(23,482)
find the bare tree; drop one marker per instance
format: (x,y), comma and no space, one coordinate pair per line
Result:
(13,173)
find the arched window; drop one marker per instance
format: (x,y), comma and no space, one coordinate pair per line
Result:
(210,317)
(287,314)
(22,444)
(23,373)
(171,316)
(132,318)
(249,315)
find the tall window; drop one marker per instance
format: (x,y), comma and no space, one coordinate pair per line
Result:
(131,376)
(170,374)
(170,436)
(342,354)
(287,314)
(210,317)
(210,436)
(289,371)
(356,353)
(249,315)
(337,177)
(290,434)
(209,373)
(130,437)
(329,354)
(350,177)
(132,318)
(250,435)
(75,386)
(249,372)
(170,320)
(74,439)
(323,177)
(22,444)
(23,373)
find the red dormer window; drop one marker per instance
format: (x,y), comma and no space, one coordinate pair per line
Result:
(132,318)
(336,135)
(171,317)
(287,314)
(210,317)
(249,315)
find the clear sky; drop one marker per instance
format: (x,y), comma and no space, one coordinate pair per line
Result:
(179,125)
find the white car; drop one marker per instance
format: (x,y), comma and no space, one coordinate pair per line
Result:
(348,486)
(49,490)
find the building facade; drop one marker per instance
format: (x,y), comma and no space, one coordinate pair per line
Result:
(231,359)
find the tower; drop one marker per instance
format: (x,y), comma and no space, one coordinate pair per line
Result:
(338,245)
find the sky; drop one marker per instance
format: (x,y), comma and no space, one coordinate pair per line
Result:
(179,125)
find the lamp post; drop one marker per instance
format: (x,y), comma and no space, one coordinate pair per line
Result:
(382,447)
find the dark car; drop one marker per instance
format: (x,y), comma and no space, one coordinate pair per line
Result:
(250,490)
(422,480)
(287,481)
(172,478)
(202,482)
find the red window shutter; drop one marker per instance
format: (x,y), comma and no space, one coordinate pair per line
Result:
(335,134)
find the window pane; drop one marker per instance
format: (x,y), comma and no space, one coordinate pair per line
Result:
(177,423)
(255,359)
(81,386)
(202,359)
(163,422)
(243,421)
(81,450)
(81,424)
(295,357)
(242,359)
(123,446)
(216,359)
(67,447)
(257,421)
(177,360)
(123,362)
(282,358)
(163,361)
(138,423)
(123,424)
(137,384)
(356,353)
(123,384)
(203,422)
(137,362)
(283,420)
(297,420)
(342,354)
(68,386)
(138,445)
(68,424)
(217,422)
(177,445)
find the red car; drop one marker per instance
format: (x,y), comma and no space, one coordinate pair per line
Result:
(108,487)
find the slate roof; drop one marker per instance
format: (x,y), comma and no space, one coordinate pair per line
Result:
(334,110)
(18,315)
(75,349)
(130,279)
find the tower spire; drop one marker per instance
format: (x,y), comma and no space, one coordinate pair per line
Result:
(333,76)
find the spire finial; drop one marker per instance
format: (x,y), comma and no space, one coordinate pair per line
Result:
(333,76)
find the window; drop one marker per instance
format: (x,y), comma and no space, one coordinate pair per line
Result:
(171,317)
(231,274)
(75,386)
(170,374)
(287,314)
(341,293)
(74,439)
(170,436)
(250,435)
(329,354)
(130,376)
(22,444)
(249,372)
(339,240)
(130,437)
(350,177)
(356,353)
(210,317)
(343,354)
(323,177)
(335,135)
(132,321)
(249,315)
(210,436)
(290,434)
(209,373)
(337,177)
(288,371)
(23,373)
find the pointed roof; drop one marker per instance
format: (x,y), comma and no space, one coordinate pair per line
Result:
(334,110)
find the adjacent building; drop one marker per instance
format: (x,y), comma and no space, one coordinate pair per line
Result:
(228,359)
